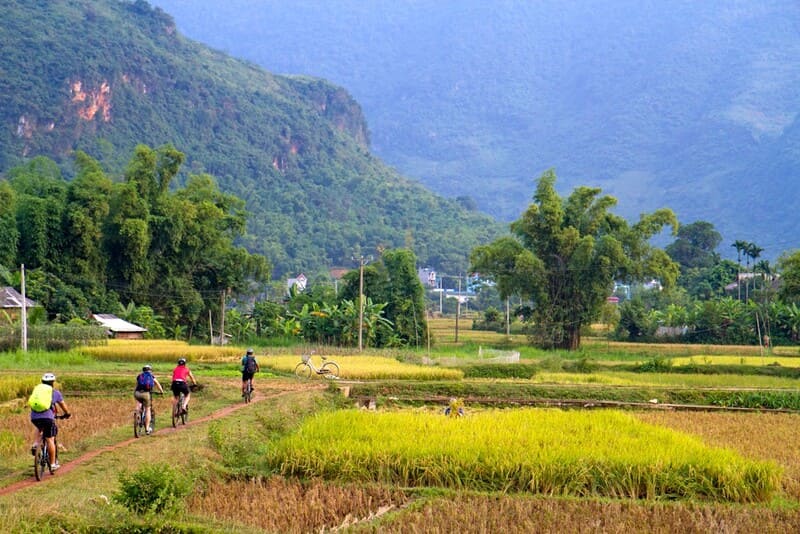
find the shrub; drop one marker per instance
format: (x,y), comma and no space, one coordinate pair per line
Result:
(155,488)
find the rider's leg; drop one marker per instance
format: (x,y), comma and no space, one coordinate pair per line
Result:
(186,401)
(51,450)
(37,435)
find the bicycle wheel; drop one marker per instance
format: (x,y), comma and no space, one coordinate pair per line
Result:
(137,422)
(330,370)
(248,393)
(40,461)
(303,370)
(175,411)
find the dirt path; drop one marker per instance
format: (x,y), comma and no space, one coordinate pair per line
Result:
(69,466)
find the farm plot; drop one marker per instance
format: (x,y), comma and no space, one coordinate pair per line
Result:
(550,452)
(368,368)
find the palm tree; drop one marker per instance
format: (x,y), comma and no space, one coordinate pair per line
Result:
(752,251)
(740,246)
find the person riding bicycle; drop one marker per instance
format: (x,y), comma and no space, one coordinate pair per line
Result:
(45,421)
(145,382)
(249,368)
(179,385)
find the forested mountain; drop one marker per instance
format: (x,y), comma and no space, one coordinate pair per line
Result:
(686,104)
(102,76)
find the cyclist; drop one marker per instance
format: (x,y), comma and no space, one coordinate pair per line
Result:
(249,368)
(179,376)
(45,421)
(145,382)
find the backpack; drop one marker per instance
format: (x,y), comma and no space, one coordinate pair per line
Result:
(249,364)
(145,382)
(41,398)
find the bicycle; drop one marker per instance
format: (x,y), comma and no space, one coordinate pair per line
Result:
(41,456)
(177,413)
(329,369)
(139,427)
(248,391)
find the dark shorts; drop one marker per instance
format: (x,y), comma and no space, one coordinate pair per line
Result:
(178,387)
(47,426)
(246,376)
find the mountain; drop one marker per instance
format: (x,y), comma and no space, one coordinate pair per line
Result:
(685,104)
(104,75)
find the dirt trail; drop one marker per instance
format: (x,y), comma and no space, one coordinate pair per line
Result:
(69,466)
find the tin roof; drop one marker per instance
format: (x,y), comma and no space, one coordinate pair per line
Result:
(115,324)
(11,298)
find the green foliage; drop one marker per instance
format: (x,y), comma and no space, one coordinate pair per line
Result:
(566,256)
(153,489)
(109,75)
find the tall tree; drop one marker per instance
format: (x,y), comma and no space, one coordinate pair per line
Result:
(570,252)
(740,247)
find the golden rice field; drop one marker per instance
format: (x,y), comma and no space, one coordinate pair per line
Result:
(600,454)
(714,359)
(160,350)
(666,379)
(15,386)
(367,367)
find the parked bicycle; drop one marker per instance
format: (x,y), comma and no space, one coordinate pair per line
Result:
(41,457)
(139,427)
(329,369)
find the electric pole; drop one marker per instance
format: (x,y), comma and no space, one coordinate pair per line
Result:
(361,262)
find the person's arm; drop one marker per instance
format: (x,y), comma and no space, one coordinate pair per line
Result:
(193,379)
(65,413)
(160,389)
(257,367)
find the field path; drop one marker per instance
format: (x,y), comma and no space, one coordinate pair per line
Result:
(69,466)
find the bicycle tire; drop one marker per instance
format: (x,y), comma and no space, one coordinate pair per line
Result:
(330,370)
(39,461)
(302,370)
(248,393)
(137,421)
(175,409)
(184,415)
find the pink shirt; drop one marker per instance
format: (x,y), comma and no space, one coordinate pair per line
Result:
(180,373)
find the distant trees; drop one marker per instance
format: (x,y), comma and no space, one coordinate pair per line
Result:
(91,244)
(565,255)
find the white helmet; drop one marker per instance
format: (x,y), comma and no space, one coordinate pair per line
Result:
(48,377)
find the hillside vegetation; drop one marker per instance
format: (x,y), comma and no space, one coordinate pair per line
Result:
(690,105)
(105,76)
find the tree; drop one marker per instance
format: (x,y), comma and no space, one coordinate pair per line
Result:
(567,256)
(789,267)
(695,245)
(740,247)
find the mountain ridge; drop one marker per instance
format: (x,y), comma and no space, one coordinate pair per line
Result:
(105,76)
(692,105)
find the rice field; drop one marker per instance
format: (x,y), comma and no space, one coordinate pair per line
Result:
(161,350)
(366,368)
(714,359)
(667,379)
(600,454)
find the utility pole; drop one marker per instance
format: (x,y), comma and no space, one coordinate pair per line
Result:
(361,262)
(24,332)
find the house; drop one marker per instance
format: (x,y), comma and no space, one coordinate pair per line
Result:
(118,328)
(300,282)
(11,302)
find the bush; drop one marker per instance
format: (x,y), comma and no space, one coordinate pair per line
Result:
(155,488)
